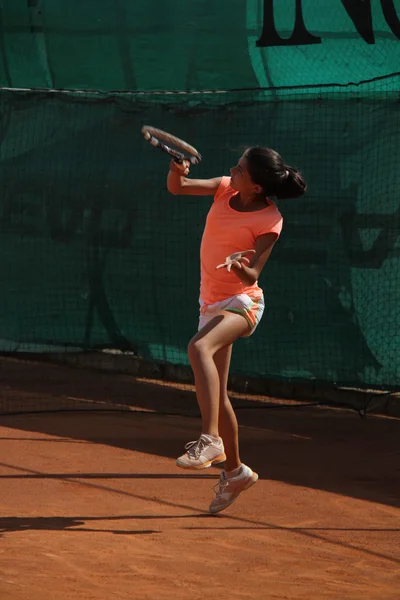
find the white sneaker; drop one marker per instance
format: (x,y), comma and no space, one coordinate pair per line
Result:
(202,453)
(229,489)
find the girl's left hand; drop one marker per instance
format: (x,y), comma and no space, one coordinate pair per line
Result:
(236,260)
(180,168)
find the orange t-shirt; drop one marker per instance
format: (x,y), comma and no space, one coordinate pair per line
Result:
(228,231)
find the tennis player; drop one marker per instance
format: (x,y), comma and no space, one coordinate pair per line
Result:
(242,227)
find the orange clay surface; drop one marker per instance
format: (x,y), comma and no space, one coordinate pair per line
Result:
(92,505)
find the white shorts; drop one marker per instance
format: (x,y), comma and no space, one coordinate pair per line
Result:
(250,308)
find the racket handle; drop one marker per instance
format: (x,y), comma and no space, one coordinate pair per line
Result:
(178,157)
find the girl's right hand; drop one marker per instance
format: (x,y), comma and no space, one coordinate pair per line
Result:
(182,169)
(236,260)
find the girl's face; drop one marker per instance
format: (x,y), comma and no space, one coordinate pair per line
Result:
(241,180)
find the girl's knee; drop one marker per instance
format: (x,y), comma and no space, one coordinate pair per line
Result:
(197,349)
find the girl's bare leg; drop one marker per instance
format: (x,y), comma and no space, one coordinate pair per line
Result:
(218,334)
(227,423)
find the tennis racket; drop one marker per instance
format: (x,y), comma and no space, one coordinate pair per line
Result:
(175,147)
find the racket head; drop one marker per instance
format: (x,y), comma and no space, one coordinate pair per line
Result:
(169,141)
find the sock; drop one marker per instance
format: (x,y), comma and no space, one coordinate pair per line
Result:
(233,473)
(215,440)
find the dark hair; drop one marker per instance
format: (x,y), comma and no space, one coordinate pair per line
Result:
(268,169)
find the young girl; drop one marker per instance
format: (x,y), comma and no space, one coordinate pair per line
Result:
(242,227)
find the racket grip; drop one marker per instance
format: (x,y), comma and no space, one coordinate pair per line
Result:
(176,156)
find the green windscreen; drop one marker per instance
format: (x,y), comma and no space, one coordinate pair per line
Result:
(196,44)
(97,253)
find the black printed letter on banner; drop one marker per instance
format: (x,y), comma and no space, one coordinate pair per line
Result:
(300,35)
(391,16)
(360,13)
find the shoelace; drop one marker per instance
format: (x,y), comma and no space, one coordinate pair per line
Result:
(220,486)
(194,449)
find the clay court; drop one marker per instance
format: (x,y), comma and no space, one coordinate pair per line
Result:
(93,506)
